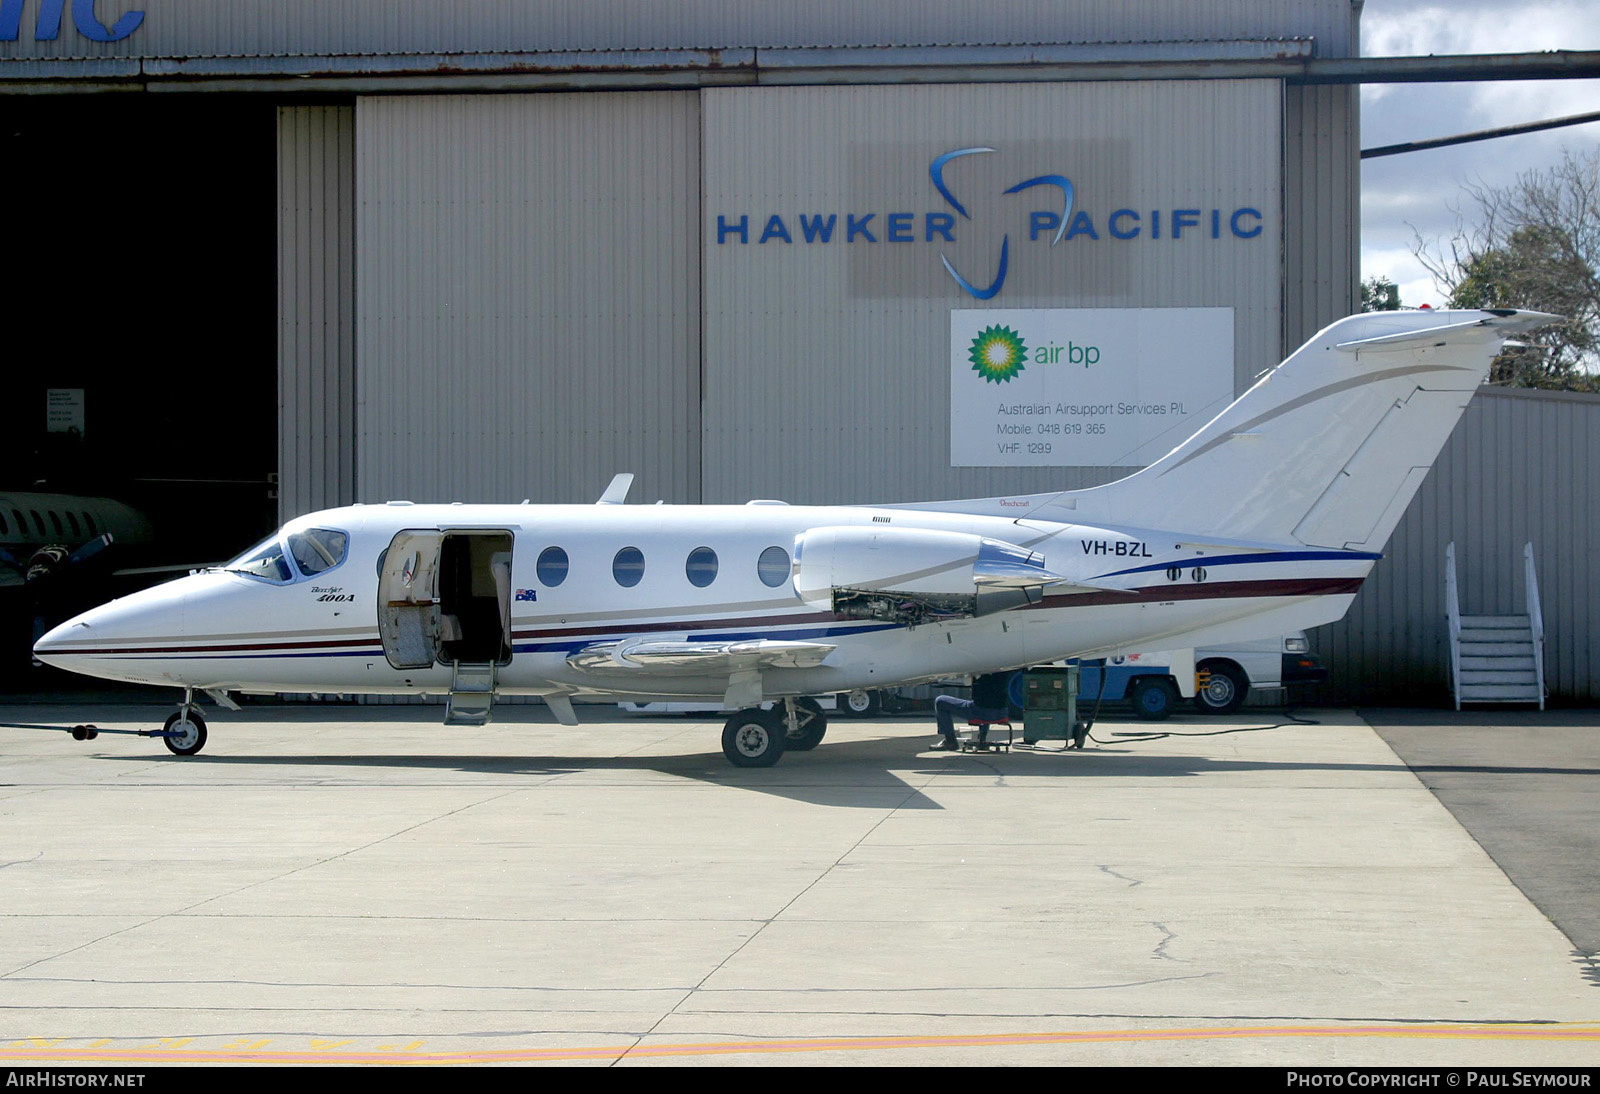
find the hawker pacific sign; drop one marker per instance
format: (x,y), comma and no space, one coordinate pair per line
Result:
(1084,387)
(47,22)
(939,226)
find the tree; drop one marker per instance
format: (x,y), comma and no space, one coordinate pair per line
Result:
(1379,294)
(1535,244)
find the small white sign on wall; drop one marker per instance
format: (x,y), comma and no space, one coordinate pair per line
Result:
(63,410)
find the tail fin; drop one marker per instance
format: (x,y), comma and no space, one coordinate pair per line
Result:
(1328,448)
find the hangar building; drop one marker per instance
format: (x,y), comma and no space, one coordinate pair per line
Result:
(294,255)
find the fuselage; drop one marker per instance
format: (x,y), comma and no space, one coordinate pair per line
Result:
(309,615)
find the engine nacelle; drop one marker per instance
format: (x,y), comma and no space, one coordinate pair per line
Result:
(914,575)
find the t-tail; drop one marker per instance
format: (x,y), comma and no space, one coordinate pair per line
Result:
(1325,450)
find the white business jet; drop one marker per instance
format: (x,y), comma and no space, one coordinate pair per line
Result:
(1266,520)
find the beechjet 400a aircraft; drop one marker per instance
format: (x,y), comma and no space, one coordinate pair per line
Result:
(1266,520)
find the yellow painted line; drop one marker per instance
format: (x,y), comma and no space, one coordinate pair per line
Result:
(1435,1031)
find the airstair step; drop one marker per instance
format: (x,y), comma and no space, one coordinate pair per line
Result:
(1496,622)
(1498,664)
(1497,649)
(1471,677)
(471,695)
(1500,693)
(1496,634)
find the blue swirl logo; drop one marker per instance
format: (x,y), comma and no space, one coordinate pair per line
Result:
(936,173)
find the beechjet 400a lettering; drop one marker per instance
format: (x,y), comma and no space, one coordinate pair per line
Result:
(1266,520)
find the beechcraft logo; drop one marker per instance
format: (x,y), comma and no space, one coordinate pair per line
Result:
(998,354)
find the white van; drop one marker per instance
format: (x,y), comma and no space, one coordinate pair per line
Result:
(1224,675)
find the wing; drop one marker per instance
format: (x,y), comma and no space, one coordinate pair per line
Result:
(741,661)
(709,658)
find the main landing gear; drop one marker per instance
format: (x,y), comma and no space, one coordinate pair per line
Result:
(758,738)
(184,733)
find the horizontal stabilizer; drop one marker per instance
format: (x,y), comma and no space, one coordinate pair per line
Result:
(1408,338)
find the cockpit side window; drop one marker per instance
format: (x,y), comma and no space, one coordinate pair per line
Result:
(318,549)
(265,561)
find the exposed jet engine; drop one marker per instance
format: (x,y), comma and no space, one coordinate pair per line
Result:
(914,575)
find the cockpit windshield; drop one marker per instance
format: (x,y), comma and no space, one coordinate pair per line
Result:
(265,560)
(313,551)
(317,549)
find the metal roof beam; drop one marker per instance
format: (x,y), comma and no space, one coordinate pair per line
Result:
(1290,60)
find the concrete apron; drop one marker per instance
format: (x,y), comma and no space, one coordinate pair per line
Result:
(338,884)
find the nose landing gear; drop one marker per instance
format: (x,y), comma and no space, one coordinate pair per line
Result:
(185,732)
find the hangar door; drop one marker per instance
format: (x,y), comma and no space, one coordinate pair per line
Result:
(527,286)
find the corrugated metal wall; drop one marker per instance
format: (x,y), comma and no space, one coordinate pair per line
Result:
(528,272)
(316,308)
(206,28)
(1522,466)
(1322,209)
(827,364)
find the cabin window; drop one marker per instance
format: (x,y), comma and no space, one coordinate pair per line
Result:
(701,567)
(318,549)
(72,522)
(89,520)
(5,530)
(552,566)
(55,522)
(628,567)
(38,521)
(22,525)
(773,567)
(265,561)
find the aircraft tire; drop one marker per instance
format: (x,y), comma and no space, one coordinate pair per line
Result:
(860,703)
(754,738)
(1225,690)
(812,729)
(192,741)
(1152,699)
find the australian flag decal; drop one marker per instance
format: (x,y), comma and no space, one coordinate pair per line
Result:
(527,594)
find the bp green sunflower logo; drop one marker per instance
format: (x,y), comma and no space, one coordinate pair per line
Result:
(997,354)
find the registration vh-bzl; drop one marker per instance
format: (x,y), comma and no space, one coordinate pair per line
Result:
(1266,520)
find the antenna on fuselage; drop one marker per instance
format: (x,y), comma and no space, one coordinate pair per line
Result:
(617,492)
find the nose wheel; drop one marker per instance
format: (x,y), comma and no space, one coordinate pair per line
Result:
(185,732)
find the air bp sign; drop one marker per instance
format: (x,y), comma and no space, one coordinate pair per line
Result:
(1075,387)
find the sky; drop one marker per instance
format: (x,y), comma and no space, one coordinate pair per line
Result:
(1420,193)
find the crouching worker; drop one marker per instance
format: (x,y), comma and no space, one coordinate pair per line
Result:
(989,702)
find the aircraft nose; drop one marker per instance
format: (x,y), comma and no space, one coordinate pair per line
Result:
(114,640)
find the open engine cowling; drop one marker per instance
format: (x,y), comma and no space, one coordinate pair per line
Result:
(914,575)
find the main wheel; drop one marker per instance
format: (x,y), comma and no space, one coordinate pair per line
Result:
(186,734)
(1152,699)
(1224,691)
(813,724)
(860,703)
(754,738)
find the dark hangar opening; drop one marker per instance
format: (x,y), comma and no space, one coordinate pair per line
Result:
(141,287)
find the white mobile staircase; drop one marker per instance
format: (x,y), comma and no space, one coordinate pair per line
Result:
(471,694)
(1496,658)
